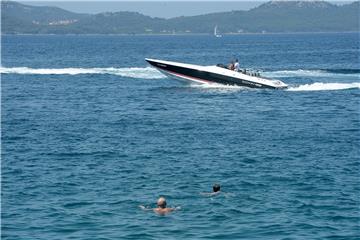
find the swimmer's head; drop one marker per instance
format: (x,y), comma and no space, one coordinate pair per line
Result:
(216,188)
(161,202)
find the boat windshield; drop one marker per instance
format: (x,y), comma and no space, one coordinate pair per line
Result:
(249,72)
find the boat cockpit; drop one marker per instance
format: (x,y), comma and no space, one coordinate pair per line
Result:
(243,70)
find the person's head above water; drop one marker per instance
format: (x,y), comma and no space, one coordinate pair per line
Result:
(161,202)
(216,188)
(161,208)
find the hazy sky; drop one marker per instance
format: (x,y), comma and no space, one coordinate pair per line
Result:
(164,9)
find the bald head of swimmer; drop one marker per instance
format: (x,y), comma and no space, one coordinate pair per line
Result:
(216,188)
(161,202)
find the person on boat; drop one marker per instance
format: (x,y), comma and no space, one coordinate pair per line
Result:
(236,65)
(231,65)
(161,208)
(216,191)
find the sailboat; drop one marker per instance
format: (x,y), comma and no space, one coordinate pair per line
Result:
(215,32)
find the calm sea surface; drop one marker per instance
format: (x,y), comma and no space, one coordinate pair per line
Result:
(90,131)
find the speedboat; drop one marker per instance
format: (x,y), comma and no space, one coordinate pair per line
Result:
(214,74)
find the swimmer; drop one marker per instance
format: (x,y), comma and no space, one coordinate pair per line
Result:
(161,208)
(216,191)
(216,188)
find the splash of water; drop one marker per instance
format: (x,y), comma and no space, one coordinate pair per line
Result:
(319,86)
(313,73)
(132,72)
(151,73)
(217,86)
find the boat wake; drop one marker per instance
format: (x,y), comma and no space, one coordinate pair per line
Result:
(319,86)
(131,72)
(217,86)
(151,73)
(329,73)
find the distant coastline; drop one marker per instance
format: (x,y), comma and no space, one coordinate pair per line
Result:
(271,17)
(176,34)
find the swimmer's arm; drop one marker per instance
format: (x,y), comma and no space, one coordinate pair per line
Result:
(176,208)
(145,208)
(173,209)
(209,194)
(229,194)
(205,194)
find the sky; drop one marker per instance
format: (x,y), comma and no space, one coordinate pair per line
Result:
(163,9)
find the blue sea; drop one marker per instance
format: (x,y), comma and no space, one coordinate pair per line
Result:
(90,132)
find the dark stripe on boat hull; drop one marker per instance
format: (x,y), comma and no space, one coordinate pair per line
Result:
(206,76)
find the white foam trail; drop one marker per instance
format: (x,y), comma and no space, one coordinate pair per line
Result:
(219,88)
(325,86)
(132,72)
(306,73)
(216,86)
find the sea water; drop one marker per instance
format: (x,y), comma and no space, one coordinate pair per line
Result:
(90,131)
